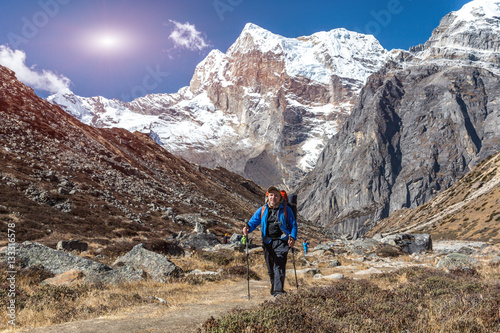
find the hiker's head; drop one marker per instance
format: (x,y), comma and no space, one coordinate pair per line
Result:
(273,196)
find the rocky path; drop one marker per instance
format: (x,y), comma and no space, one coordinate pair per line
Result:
(185,318)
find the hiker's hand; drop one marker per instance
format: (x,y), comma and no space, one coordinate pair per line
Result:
(291,242)
(245,231)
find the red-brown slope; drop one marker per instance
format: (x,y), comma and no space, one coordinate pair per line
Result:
(62,179)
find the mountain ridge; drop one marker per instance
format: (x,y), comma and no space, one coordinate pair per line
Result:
(269,101)
(420,123)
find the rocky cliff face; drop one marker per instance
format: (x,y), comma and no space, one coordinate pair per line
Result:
(467,210)
(420,123)
(264,109)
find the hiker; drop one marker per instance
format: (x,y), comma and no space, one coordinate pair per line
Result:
(224,239)
(279,232)
(305,244)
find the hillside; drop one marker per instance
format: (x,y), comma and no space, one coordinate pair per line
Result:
(61,179)
(469,210)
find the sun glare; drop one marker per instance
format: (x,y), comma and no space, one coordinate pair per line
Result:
(108,41)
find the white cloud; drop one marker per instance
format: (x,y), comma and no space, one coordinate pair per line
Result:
(185,35)
(41,80)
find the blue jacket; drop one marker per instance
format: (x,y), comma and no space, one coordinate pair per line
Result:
(289,227)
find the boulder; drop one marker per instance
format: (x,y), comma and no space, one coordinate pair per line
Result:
(322,247)
(457,260)
(199,228)
(121,274)
(66,278)
(334,263)
(410,243)
(156,265)
(57,262)
(466,250)
(235,238)
(194,219)
(362,246)
(72,245)
(200,241)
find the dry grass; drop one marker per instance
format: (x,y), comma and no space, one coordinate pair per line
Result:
(42,305)
(412,300)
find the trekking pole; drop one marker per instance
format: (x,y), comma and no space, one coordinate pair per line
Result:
(293,256)
(248,275)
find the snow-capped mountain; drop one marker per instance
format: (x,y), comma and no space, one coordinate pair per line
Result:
(264,109)
(469,36)
(420,123)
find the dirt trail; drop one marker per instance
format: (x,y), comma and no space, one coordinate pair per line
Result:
(186,318)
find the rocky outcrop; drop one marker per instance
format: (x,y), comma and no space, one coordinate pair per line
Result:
(418,125)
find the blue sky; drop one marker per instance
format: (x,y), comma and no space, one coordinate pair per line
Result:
(125,49)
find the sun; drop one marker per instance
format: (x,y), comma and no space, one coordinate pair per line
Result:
(108,41)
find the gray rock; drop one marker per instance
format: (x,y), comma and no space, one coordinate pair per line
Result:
(121,274)
(72,245)
(200,272)
(57,262)
(457,260)
(191,219)
(321,247)
(495,260)
(235,238)
(199,228)
(308,271)
(157,266)
(336,276)
(334,263)
(466,250)
(409,243)
(362,245)
(201,241)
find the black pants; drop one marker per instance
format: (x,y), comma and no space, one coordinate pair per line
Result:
(276,254)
